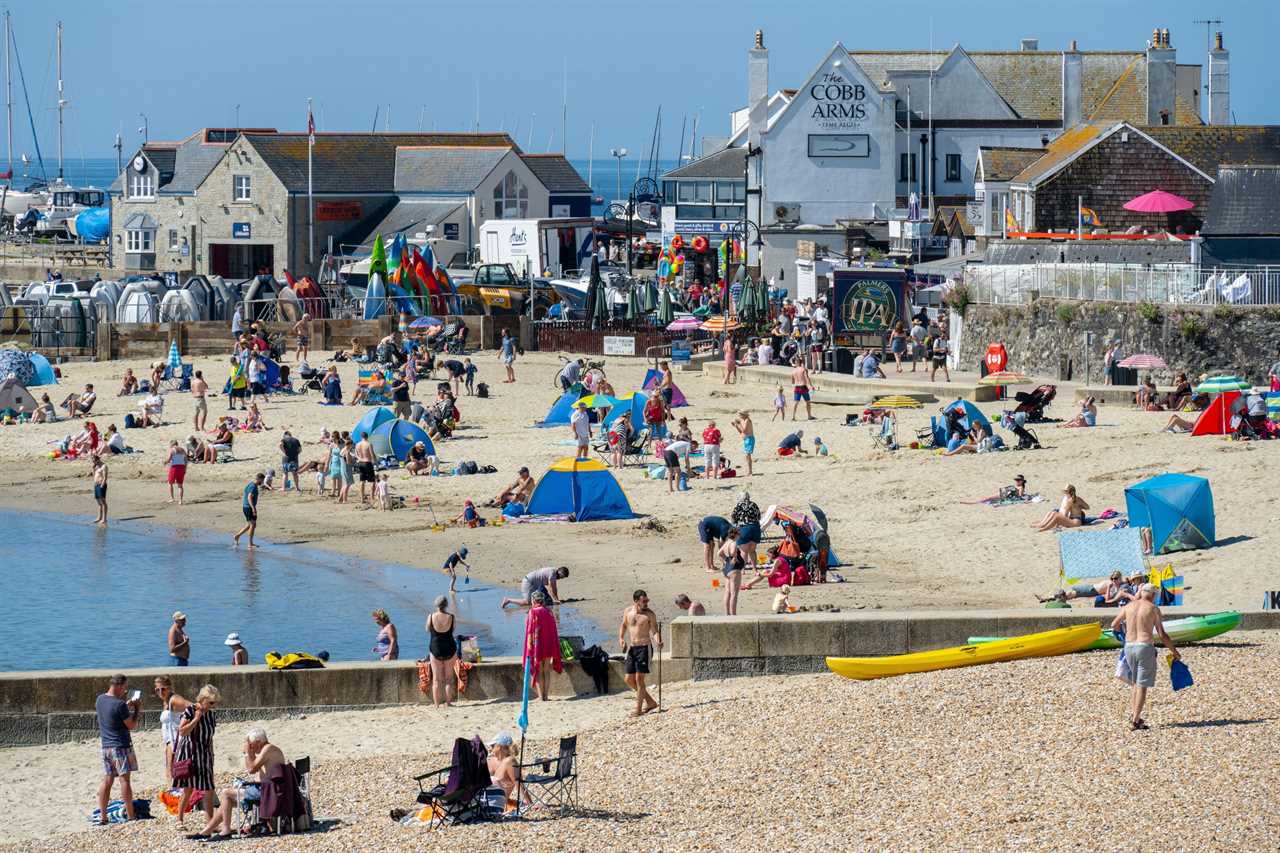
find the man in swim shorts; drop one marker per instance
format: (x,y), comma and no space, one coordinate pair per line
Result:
(1141,620)
(364,465)
(637,635)
(742,423)
(800,388)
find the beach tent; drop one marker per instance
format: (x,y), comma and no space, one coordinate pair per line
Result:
(42,370)
(651,379)
(633,403)
(396,437)
(584,487)
(13,395)
(1216,419)
(967,420)
(559,413)
(1177,507)
(14,362)
(371,421)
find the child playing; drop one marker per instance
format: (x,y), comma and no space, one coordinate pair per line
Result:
(469,370)
(253,423)
(782,601)
(451,566)
(742,423)
(819,449)
(468,516)
(779,405)
(383,491)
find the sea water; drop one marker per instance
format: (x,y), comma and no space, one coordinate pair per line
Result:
(79,596)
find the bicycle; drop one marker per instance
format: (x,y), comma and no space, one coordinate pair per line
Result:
(592,374)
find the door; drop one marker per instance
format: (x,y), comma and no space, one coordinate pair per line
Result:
(491,254)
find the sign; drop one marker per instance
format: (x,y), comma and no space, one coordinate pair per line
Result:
(681,352)
(838,103)
(619,345)
(703,226)
(518,241)
(868,302)
(171,280)
(976,213)
(241,231)
(338,211)
(839,145)
(1271,600)
(451,231)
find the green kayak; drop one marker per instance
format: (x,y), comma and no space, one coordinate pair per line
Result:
(1189,629)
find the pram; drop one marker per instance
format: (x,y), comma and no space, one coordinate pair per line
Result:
(311,380)
(458,342)
(440,342)
(1033,403)
(1013,421)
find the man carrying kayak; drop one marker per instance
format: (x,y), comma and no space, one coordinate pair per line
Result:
(1140,620)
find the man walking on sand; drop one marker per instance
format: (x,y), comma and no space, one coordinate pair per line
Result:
(637,636)
(742,423)
(250,506)
(1141,620)
(199,393)
(302,329)
(580,421)
(116,718)
(364,465)
(800,388)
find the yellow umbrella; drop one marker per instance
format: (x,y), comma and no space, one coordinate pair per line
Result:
(1005,377)
(599,401)
(896,401)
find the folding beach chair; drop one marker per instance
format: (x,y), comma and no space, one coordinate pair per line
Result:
(636,452)
(884,434)
(176,380)
(559,789)
(458,793)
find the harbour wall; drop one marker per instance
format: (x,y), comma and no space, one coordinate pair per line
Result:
(1047,337)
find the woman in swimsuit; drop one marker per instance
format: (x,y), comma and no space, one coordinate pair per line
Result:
(1070,513)
(443,649)
(173,706)
(387,646)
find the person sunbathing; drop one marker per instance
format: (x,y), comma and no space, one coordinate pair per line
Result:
(112,443)
(197,450)
(1146,394)
(260,757)
(1180,396)
(78,405)
(504,769)
(519,491)
(1178,425)
(44,413)
(376,386)
(254,422)
(1018,491)
(151,409)
(1070,513)
(1111,590)
(1088,414)
(221,441)
(128,385)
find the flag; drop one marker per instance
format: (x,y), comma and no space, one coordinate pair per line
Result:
(1090,217)
(311,126)
(523,720)
(1010,224)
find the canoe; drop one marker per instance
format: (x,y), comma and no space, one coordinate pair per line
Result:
(1045,644)
(1189,629)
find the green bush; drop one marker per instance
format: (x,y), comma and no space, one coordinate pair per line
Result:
(958,299)
(1149,312)
(1191,327)
(1223,311)
(1066,312)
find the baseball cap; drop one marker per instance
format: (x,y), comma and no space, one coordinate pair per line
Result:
(179,616)
(502,739)
(462,552)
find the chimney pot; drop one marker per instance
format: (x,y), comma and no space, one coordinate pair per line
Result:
(1030,44)
(1074,47)
(759,38)
(1164,37)
(1217,41)
(1155,37)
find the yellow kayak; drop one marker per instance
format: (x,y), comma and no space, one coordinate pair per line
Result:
(1059,641)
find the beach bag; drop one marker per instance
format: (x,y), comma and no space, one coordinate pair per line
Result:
(129,422)
(181,769)
(468,468)
(470,651)
(482,390)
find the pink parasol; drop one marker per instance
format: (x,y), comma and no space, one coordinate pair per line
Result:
(1158,201)
(1142,361)
(683,324)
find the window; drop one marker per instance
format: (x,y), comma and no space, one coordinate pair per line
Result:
(173,239)
(242,188)
(906,168)
(694,211)
(730,192)
(510,198)
(669,191)
(953,167)
(728,211)
(139,240)
(141,185)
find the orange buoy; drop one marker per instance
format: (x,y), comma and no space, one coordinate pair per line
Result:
(699,243)
(677,243)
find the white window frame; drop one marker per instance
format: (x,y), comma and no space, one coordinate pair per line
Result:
(141,185)
(140,241)
(236,185)
(511,198)
(175,240)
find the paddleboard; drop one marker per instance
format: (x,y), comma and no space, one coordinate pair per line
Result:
(1188,629)
(1045,644)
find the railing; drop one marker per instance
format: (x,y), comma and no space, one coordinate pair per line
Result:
(51,329)
(701,344)
(55,254)
(1172,284)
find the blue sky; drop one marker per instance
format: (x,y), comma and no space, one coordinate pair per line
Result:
(196,59)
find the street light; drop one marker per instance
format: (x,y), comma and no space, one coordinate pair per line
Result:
(145,130)
(619,153)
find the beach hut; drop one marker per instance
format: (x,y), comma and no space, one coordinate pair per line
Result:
(584,488)
(558,414)
(15,396)
(1177,507)
(969,416)
(372,420)
(651,380)
(396,437)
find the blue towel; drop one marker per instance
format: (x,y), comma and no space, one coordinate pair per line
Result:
(1179,675)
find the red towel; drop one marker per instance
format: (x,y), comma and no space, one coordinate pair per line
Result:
(541,641)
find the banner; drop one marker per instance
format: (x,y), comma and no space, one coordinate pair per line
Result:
(867,304)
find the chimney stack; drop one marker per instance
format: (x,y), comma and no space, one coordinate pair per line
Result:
(1162,72)
(1219,83)
(1072,87)
(1030,44)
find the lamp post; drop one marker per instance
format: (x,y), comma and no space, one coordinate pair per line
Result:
(145,130)
(619,153)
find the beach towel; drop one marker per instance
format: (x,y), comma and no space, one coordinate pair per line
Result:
(541,641)
(461,673)
(116,813)
(1179,675)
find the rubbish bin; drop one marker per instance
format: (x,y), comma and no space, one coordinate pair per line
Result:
(1064,368)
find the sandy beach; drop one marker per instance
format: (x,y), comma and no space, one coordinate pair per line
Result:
(1030,754)
(898,520)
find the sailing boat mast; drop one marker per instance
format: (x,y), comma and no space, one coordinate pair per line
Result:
(8,92)
(62,102)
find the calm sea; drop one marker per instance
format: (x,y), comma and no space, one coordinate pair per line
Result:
(81,597)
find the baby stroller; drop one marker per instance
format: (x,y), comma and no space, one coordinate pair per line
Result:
(440,342)
(310,378)
(1033,403)
(457,343)
(1014,422)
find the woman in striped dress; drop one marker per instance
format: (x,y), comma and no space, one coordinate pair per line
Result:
(195,744)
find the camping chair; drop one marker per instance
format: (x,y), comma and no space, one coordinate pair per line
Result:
(634,453)
(176,380)
(559,789)
(458,343)
(458,793)
(883,435)
(249,820)
(1034,402)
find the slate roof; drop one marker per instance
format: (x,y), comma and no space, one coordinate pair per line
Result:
(413,215)
(182,165)
(1002,164)
(1245,202)
(556,174)
(354,162)
(1209,146)
(726,163)
(444,169)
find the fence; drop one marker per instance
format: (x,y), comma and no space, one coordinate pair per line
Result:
(56,329)
(1174,284)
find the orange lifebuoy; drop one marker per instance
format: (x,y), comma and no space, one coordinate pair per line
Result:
(677,243)
(996,358)
(699,243)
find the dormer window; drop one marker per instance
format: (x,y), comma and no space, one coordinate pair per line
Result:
(142,185)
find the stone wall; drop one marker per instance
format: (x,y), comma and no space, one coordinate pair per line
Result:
(1043,335)
(267,211)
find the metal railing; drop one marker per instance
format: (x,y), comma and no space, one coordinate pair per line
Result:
(1170,284)
(51,329)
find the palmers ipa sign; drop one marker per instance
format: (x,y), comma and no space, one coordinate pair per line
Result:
(868,303)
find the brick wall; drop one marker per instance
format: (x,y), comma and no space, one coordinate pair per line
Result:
(1112,173)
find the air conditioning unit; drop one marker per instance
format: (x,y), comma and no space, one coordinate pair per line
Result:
(786,212)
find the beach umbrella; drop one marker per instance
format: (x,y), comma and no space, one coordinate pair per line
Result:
(603,308)
(633,303)
(650,296)
(595,288)
(175,358)
(720,324)
(426,322)
(896,401)
(1273,408)
(1158,201)
(666,314)
(1005,377)
(1143,361)
(684,324)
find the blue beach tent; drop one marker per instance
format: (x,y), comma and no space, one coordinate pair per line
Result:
(633,403)
(1177,507)
(971,416)
(396,437)
(584,487)
(371,421)
(44,374)
(559,413)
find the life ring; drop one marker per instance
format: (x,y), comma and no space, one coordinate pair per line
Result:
(699,243)
(677,243)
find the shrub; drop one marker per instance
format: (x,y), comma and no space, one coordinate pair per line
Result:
(1066,312)
(1222,311)
(958,299)
(1191,327)
(1149,312)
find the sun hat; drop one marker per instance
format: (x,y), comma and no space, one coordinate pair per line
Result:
(502,739)
(462,552)
(233,639)
(179,616)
